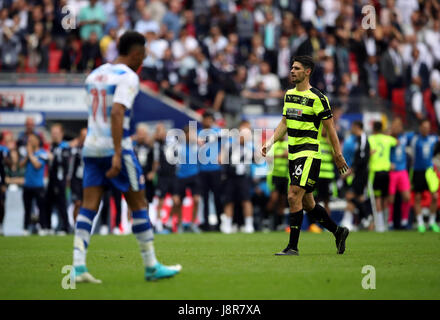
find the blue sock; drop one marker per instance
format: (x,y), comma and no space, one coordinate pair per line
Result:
(83,228)
(143,231)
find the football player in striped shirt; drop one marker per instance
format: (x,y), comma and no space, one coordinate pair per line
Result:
(306,111)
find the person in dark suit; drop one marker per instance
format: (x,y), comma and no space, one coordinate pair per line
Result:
(417,81)
(391,66)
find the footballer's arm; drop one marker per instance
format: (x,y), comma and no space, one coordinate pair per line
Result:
(279,133)
(117,117)
(334,141)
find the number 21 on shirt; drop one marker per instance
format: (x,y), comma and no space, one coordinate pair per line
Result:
(99,99)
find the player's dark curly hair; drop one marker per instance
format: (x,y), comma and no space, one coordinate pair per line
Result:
(129,40)
(377,126)
(306,61)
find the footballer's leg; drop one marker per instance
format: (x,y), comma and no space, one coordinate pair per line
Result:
(294,197)
(143,231)
(84,221)
(318,213)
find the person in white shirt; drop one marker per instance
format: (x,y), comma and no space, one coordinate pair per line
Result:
(109,159)
(216,41)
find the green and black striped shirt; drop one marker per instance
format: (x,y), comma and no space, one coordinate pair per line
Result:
(304,111)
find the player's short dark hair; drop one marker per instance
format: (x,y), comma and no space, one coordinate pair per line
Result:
(377,126)
(129,40)
(306,61)
(208,114)
(358,124)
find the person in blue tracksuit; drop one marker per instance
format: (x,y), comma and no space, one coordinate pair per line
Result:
(34,163)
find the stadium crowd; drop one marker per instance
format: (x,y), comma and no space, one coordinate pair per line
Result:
(209,52)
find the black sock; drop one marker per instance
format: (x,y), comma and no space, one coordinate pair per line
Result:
(320,215)
(296,219)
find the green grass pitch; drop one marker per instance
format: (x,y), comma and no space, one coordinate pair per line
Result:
(237,266)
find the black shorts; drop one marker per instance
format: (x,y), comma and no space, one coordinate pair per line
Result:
(419,181)
(280,184)
(76,188)
(359,183)
(304,172)
(381,183)
(237,188)
(191,183)
(165,184)
(323,189)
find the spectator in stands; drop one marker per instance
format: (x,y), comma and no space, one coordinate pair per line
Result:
(300,37)
(417,79)
(435,89)
(108,46)
(257,46)
(92,18)
(59,158)
(168,74)
(197,81)
(329,82)
(183,46)
(172,18)
(270,32)
(38,48)
(37,16)
(265,7)
(91,56)
(137,10)
(253,70)
(432,39)
(71,59)
(283,62)
(10,48)
(372,72)
(268,88)
(392,68)
(122,23)
(157,9)
(216,42)
(312,45)
(245,27)
(155,49)
(228,98)
(34,163)
(147,23)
